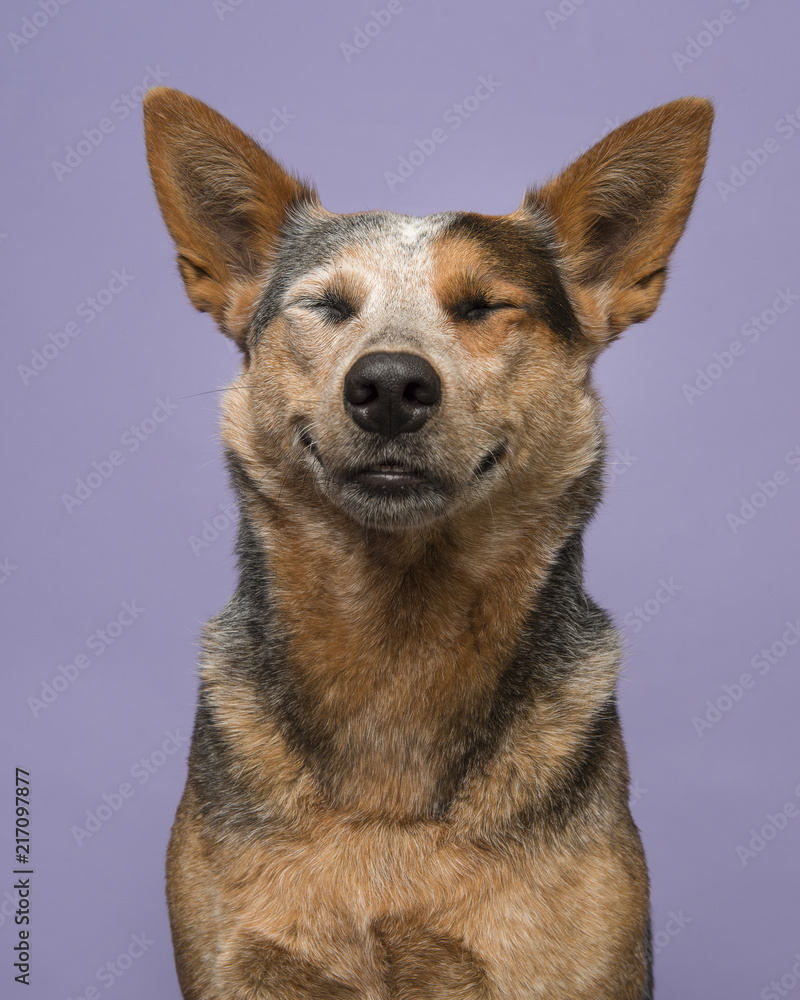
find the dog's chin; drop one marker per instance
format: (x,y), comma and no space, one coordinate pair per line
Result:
(393,496)
(394,504)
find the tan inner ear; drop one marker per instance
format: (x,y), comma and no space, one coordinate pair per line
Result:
(619,210)
(223,199)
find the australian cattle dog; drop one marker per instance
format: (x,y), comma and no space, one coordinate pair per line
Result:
(407,777)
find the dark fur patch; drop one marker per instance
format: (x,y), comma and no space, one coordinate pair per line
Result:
(271,971)
(421,965)
(565,628)
(307,242)
(649,988)
(523,253)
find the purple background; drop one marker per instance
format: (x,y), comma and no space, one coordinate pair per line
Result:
(726,926)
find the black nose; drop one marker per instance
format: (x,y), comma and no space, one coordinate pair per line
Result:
(391,393)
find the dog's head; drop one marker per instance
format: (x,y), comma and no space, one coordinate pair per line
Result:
(398,370)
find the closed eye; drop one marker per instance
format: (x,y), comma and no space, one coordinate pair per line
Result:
(474,310)
(334,306)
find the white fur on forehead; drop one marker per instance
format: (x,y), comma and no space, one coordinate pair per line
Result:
(393,263)
(396,234)
(412,230)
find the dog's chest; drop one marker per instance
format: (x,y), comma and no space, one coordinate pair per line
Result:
(487,920)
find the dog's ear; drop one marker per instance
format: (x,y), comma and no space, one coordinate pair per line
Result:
(619,210)
(223,199)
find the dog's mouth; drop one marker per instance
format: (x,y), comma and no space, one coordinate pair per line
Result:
(395,477)
(396,485)
(388,477)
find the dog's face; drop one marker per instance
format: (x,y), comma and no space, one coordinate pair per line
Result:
(398,370)
(413,366)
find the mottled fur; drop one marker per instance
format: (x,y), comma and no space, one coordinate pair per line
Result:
(407,776)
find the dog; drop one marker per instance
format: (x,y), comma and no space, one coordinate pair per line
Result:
(407,777)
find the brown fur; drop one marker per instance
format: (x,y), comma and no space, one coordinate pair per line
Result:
(407,778)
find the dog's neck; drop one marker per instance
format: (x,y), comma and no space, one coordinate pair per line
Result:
(385,652)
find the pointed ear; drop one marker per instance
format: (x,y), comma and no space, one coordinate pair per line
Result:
(619,210)
(223,199)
